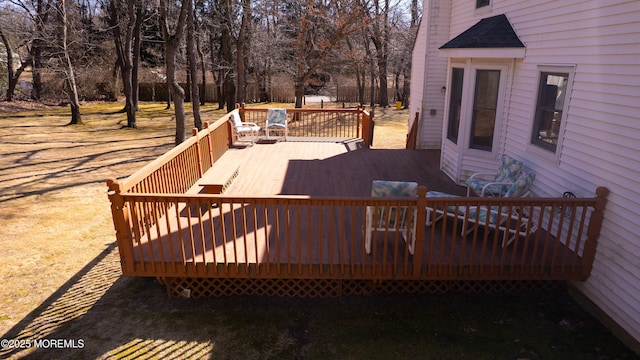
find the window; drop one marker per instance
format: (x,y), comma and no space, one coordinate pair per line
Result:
(482,3)
(455,104)
(549,108)
(483,118)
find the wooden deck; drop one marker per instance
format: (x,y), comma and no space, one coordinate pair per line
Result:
(295,211)
(337,168)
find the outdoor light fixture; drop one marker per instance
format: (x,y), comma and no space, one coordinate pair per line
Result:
(443,89)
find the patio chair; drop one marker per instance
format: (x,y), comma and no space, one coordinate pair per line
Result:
(495,184)
(243,129)
(516,222)
(277,121)
(392,218)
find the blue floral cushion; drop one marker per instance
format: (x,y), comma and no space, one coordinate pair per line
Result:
(508,172)
(450,208)
(495,189)
(521,185)
(509,169)
(482,213)
(381,188)
(277,116)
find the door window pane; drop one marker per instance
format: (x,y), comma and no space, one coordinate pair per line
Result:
(484,109)
(455,104)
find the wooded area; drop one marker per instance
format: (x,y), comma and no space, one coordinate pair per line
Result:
(74,50)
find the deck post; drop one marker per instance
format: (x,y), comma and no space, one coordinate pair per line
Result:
(122,226)
(593,231)
(241,110)
(209,143)
(194,132)
(421,219)
(358,121)
(367,128)
(230,128)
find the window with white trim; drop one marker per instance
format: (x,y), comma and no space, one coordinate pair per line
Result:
(550,104)
(482,3)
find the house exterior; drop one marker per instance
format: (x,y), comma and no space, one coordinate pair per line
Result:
(555,84)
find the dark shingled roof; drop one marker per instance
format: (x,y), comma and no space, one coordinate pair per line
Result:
(493,32)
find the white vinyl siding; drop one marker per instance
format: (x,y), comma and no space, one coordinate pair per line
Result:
(429,70)
(418,73)
(601,138)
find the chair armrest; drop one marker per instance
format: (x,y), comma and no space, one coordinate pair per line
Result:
(482,176)
(248,124)
(488,185)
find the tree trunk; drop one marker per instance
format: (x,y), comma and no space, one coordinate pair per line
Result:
(172,43)
(299,92)
(124,51)
(177,93)
(227,58)
(193,70)
(11,75)
(42,12)
(241,47)
(372,74)
(137,42)
(230,93)
(203,71)
(380,38)
(74,102)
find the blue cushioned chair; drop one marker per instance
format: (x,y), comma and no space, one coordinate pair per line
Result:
(277,121)
(495,184)
(514,222)
(392,218)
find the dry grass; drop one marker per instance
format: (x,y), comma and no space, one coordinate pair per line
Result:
(54,212)
(61,278)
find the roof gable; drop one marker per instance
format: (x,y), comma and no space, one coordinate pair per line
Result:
(493,32)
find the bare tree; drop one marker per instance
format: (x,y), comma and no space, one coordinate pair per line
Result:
(12,75)
(38,13)
(192,59)
(323,25)
(124,43)
(379,33)
(74,102)
(242,50)
(172,40)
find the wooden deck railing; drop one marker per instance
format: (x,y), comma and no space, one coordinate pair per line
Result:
(305,237)
(164,230)
(319,123)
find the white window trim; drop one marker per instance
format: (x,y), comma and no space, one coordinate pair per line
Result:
(465,79)
(483,10)
(552,157)
(468,108)
(470,66)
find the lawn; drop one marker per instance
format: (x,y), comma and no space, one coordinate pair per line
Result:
(62,285)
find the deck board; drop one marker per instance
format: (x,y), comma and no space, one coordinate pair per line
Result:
(330,169)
